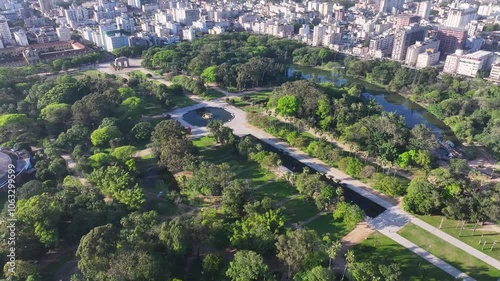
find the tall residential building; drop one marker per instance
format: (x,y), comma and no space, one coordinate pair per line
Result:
(390,6)
(319,32)
(381,47)
(134,3)
(418,48)
(405,38)
(125,23)
(450,39)
(424,9)
(495,72)
(115,39)
(403,20)
(45,5)
(338,12)
(461,17)
(5,30)
(21,38)
(452,61)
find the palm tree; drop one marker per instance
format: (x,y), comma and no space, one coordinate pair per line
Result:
(349,258)
(332,251)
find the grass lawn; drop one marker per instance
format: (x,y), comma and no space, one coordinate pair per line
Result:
(137,73)
(181,101)
(468,236)
(379,248)
(92,73)
(326,224)
(213,94)
(449,253)
(276,190)
(299,210)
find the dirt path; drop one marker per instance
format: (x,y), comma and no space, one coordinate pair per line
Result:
(356,236)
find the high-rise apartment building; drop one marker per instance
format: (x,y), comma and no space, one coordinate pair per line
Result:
(134,3)
(45,5)
(405,38)
(461,17)
(450,39)
(404,20)
(319,32)
(381,47)
(389,6)
(5,30)
(424,9)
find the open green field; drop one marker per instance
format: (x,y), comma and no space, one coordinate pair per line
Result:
(379,248)
(298,209)
(468,235)
(474,267)
(91,73)
(276,190)
(326,224)
(212,94)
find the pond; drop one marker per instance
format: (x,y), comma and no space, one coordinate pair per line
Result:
(392,102)
(200,117)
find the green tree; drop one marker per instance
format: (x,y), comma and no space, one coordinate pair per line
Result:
(131,107)
(422,197)
(212,267)
(256,232)
(95,250)
(287,106)
(350,213)
(248,266)
(209,74)
(317,273)
(174,234)
(142,131)
(43,214)
(298,249)
(23,270)
(57,116)
(123,153)
(102,136)
(234,197)
(170,143)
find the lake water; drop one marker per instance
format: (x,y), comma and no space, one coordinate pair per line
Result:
(392,102)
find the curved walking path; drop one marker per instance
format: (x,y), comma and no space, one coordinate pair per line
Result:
(388,223)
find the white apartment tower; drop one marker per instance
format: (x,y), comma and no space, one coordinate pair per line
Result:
(318,34)
(134,3)
(5,30)
(461,17)
(45,5)
(424,9)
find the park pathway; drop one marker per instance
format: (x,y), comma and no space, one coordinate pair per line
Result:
(387,223)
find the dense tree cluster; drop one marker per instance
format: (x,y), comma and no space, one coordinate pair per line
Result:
(235,60)
(447,191)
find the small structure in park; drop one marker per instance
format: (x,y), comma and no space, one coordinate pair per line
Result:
(13,163)
(120,63)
